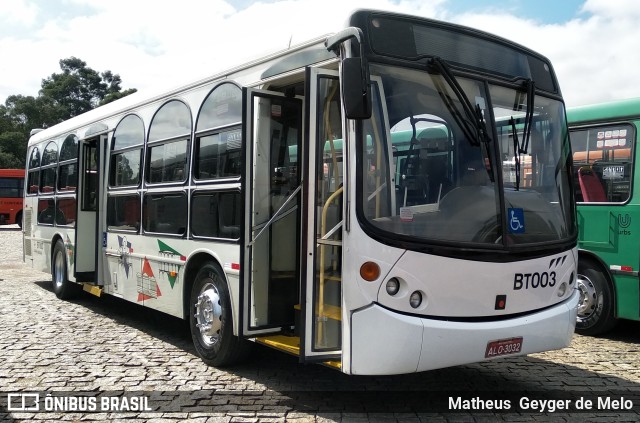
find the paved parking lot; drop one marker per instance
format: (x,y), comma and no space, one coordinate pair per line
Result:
(106,348)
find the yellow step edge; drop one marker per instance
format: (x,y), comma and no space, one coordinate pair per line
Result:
(92,289)
(291,344)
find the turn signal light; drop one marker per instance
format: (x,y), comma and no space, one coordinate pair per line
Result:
(369,271)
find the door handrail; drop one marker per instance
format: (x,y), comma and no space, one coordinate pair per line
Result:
(276,214)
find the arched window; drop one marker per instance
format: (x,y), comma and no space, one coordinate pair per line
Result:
(68,173)
(168,143)
(48,168)
(123,210)
(219,134)
(126,152)
(33,179)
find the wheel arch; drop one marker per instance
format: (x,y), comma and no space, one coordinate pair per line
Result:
(194,263)
(585,255)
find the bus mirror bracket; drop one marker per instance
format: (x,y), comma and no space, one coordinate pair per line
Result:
(356,85)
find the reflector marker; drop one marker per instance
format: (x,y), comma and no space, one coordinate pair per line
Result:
(621,268)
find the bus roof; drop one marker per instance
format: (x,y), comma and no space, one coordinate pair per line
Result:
(627,108)
(12,173)
(246,74)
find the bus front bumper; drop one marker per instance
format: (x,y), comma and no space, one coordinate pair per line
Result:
(385,342)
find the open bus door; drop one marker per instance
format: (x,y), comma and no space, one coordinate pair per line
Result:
(323,213)
(271,232)
(292,255)
(88,239)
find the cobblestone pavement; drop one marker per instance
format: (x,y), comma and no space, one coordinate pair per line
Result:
(104,347)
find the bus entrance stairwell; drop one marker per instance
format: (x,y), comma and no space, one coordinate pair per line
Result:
(270,281)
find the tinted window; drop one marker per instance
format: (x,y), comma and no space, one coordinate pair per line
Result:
(222,107)
(66,211)
(165,213)
(123,212)
(172,120)
(69,148)
(48,172)
(33,178)
(167,162)
(125,168)
(216,214)
(11,187)
(219,155)
(126,152)
(128,133)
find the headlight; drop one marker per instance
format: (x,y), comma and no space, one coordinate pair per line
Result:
(416,299)
(393,286)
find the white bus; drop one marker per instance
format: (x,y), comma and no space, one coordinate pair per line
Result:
(341,201)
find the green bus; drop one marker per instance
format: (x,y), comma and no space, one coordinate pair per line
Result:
(603,141)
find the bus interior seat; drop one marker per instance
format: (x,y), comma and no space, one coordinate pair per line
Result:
(590,185)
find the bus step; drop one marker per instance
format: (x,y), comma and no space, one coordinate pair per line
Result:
(92,289)
(291,345)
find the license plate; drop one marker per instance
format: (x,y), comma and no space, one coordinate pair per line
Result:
(503,347)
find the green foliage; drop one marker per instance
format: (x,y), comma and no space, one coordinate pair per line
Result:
(76,90)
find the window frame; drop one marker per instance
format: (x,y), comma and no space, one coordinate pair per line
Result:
(603,126)
(218,192)
(178,136)
(216,129)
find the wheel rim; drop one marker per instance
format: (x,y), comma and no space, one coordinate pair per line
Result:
(58,272)
(587,305)
(209,314)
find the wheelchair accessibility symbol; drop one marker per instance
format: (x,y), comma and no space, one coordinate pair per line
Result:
(516,220)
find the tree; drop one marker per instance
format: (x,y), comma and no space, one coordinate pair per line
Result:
(76,90)
(79,88)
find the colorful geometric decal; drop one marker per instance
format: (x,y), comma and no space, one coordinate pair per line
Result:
(171,270)
(125,249)
(71,249)
(147,285)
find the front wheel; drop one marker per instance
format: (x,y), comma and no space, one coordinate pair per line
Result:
(62,287)
(596,305)
(210,319)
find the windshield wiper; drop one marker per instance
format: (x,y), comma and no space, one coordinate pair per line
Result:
(474,126)
(526,132)
(528,118)
(516,149)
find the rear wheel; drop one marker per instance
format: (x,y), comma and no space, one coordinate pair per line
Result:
(210,319)
(62,287)
(596,306)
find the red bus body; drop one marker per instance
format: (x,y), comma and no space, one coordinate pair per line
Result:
(11,194)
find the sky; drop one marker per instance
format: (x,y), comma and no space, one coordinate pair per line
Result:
(593,44)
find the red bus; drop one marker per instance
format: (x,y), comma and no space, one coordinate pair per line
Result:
(11,194)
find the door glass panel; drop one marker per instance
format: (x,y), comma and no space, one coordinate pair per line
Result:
(275,211)
(328,211)
(90,184)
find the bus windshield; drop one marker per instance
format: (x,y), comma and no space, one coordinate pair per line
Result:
(440,178)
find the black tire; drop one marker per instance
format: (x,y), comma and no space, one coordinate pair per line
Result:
(210,319)
(62,287)
(19,220)
(596,307)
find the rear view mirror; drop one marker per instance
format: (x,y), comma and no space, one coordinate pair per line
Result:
(356,89)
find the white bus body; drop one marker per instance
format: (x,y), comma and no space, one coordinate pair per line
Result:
(265,204)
